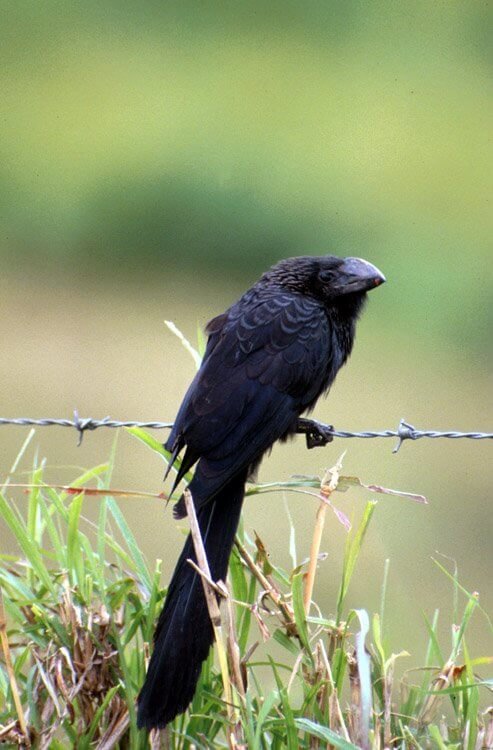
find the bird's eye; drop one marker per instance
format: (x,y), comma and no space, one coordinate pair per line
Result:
(326,276)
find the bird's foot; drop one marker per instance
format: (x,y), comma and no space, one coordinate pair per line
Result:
(317,434)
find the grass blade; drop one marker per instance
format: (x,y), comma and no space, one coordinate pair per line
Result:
(324,733)
(130,541)
(300,614)
(352,550)
(363,660)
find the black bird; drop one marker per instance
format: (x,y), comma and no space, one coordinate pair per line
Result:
(268,359)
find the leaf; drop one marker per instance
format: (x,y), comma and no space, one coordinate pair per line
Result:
(465,591)
(237,577)
(364,671)
(289,725)
(292,536)
(158,447)
(93,491)
(377,638)
(459,634)
(263,714)
(186,343)
(98,715)
(28,546)
(281,637)
(258,489)
(346,482)
(437,737)
(262,556)
(461,688)
(299,613)
(297,488)
(137,556)
(149,440)
(74,554)
(201,341)
(324,733)
(351,553)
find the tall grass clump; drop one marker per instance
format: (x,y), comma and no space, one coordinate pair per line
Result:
(78,604)
(78,607)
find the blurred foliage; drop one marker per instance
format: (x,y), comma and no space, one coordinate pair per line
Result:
(155,157)
(226,135)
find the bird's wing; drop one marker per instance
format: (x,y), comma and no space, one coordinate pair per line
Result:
(265,362)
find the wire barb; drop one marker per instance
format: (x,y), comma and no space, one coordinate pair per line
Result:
(405,430)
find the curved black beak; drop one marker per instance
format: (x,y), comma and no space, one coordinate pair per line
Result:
(357,275)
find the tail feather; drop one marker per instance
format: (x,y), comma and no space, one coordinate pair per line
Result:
(184,632)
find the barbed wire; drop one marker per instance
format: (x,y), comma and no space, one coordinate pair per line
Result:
(404,431)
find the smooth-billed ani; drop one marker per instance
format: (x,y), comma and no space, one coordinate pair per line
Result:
(268,359)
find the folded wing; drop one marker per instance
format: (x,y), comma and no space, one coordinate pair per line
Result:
(252,384)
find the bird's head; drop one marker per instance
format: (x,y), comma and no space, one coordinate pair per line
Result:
(337,277)
(337,282)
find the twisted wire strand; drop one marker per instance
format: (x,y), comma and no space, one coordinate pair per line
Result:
(405,431)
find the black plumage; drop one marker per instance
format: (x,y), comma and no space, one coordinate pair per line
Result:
(268,359)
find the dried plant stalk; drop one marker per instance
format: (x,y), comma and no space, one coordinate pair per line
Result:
(285,609)
(212,606)
(327,487)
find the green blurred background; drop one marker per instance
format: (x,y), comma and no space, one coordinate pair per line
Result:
(156,157)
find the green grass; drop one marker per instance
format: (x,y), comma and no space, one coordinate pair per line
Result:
(79,602)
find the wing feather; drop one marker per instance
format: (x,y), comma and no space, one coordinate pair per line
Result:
(252,384)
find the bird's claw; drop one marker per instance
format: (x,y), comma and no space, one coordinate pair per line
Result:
(319,435)
(316,434)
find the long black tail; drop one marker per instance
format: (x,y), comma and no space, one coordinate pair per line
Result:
(184,632)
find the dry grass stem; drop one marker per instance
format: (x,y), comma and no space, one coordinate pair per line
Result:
(270,590)
(327,487)
(159,739)
(213,608)
(216,587)
(212,605)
